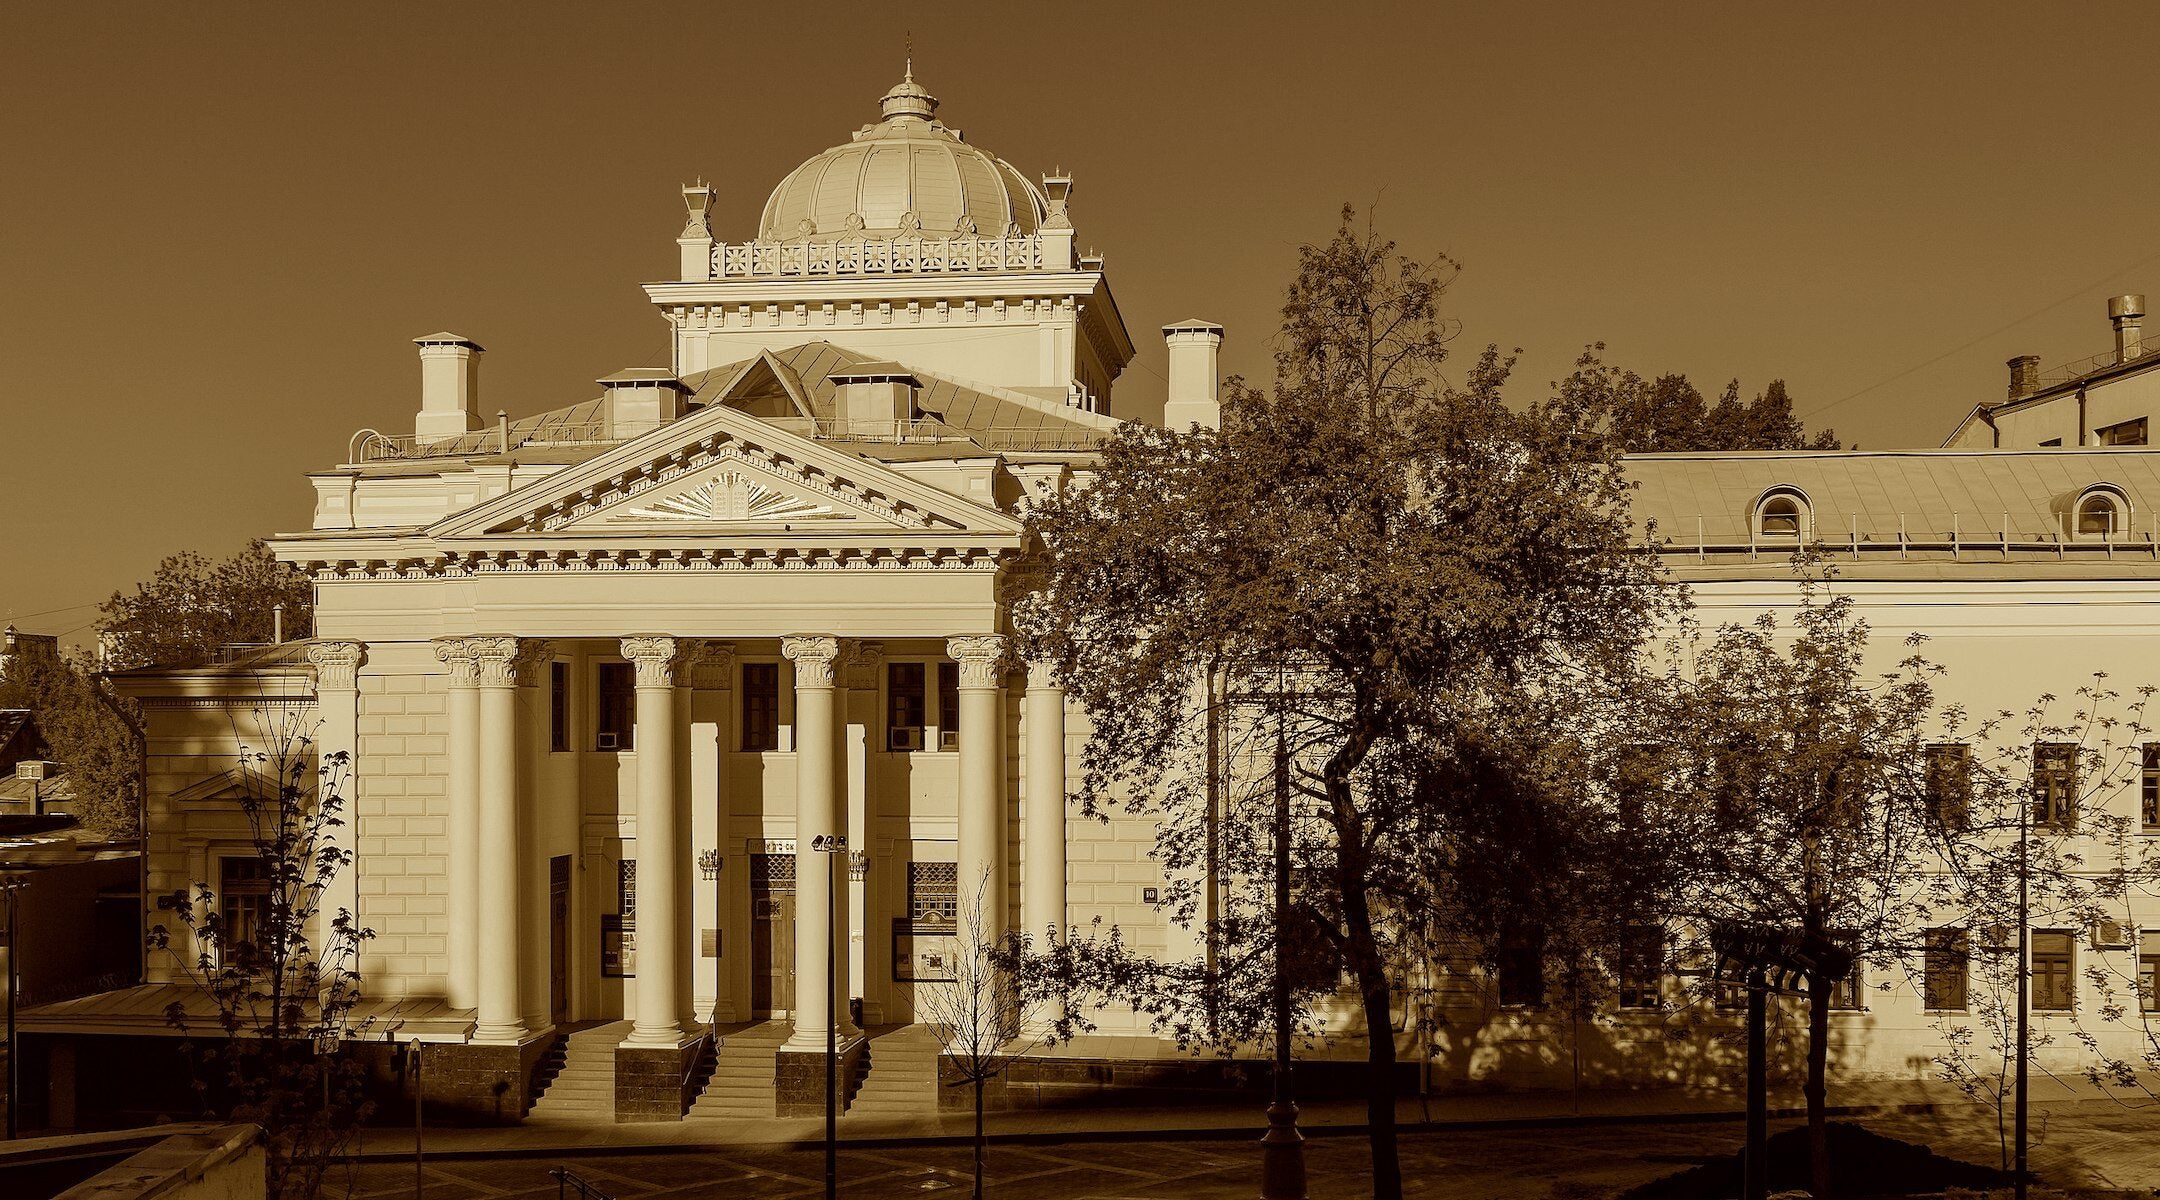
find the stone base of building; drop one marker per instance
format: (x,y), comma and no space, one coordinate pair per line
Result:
(472,1083)
(799,1077)
(656,1083)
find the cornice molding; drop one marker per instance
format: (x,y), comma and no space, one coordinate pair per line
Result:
(569,559)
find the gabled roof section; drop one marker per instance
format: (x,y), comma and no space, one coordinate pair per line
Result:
(229,784)
(722,470)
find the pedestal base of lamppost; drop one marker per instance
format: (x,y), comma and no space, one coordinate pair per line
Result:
(799,1077)
(1282,1155)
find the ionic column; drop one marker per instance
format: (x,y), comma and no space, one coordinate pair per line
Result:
(820,811)
(1042,813)
(498,986)
(664,1014)
(464,865)
(337,707)
(982,792)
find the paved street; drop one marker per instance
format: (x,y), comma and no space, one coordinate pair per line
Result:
(2096,1147)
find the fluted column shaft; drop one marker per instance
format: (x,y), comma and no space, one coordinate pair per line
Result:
(663,1013)
(982,788)
(1042,818)
(820,811)
(464,799)
(501,1011)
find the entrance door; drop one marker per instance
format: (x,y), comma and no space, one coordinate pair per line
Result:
(559,939)
(772,934)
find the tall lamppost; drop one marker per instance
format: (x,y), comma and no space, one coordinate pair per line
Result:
(11,885)
(1282,1148)
(834,846)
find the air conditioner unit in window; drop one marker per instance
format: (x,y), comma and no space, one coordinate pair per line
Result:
(608,741)
(948,739)
(906,737)
(2110,935)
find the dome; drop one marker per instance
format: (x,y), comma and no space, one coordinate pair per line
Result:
(907,174)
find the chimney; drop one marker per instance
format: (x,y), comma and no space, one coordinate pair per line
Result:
(1194,384)
(639,401)
(2125,313)
(2024,376)
(877,399)
(449,386)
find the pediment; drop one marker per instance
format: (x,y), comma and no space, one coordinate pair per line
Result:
(723,471)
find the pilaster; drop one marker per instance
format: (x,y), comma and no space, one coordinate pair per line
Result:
(337,744)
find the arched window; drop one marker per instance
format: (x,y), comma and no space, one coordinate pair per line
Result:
(2101,512)
(1781,515)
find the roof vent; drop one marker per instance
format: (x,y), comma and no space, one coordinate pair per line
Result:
(2126,314)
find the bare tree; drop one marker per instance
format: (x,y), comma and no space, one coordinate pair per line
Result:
(982,1021)
(280,974)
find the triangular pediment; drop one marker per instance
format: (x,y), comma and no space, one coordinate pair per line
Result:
(723,471)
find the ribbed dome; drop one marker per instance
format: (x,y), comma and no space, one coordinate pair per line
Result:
(907,163)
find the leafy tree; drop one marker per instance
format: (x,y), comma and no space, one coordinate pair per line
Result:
(193,608)
(1668,414)
(95,733)
(1396,560)
(280,975)
(1813,804)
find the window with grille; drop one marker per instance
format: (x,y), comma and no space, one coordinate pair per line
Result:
(933,895)
(761,706)
(905,714)
(2054,963)
(948,702)
(1946,957)
(1642,967)
(1949,784)
(772,874)
(243,904)
(2149,787)
(2054,786)
(615,718)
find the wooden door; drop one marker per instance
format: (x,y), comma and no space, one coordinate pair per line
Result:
(559,938)
(772,934)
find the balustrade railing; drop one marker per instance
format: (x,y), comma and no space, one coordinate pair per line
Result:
(877,256)
(370,446)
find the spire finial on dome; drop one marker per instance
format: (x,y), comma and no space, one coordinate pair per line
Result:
(910,37)
(908,98)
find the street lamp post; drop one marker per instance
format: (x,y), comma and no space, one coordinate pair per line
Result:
(1282,1148)
(834,846)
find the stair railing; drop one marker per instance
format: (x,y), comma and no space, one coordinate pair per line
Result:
(565,1179)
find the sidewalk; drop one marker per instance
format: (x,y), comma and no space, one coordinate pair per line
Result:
(1245,1119)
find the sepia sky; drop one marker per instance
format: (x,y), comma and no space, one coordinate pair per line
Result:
(221,225)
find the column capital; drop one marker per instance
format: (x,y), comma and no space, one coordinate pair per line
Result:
(658,657)
(978,655)
(863,665)
(500,660)
(1042,675)
(462,659)
(337,664)
(712,666)
(533,654)
(816,658)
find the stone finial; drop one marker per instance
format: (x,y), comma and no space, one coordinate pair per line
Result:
(337,665)
(980,656)
(698,199)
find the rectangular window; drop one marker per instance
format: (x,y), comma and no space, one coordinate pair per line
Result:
(948,705)
(1849,993)
(559,707)
(2149,971)
(1946,959)
(2125,433)
(615,715)
(2149,787)
(2054,963)
(1642,967)
(243,904)
(1949,784)
(933,896)
(761,706)
(904,706)
(1520,971)
(2054,785)
(2052,442)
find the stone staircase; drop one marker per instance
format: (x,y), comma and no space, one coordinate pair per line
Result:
(742,1076)
(903,1080)
(582,1091)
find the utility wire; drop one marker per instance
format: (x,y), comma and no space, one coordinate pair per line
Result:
(50,611)
(1960,348)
